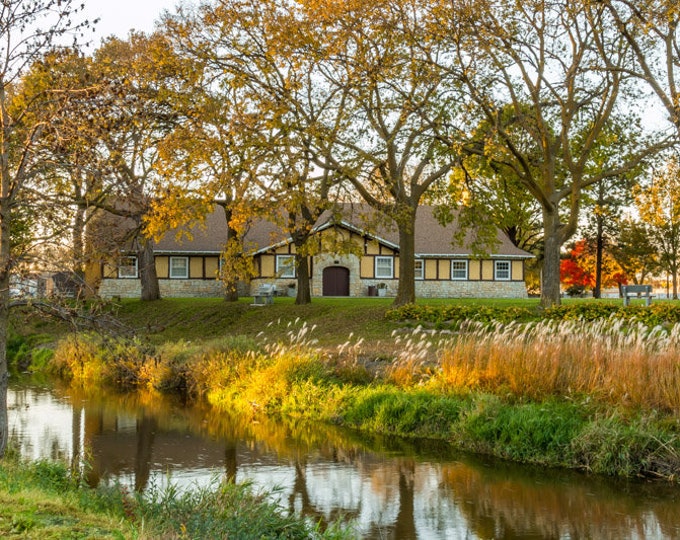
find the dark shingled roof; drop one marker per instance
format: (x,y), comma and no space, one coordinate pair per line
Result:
(431,238)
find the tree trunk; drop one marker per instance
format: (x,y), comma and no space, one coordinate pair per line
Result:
(78,263)
(230,281)
(550,278)
(147,271)
(304,294)
(599,249)
(406,292)
(4,319)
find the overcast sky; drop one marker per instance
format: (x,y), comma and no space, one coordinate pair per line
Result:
(118,17)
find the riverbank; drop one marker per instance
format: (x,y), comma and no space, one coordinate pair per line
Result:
(595,396)
(44,500)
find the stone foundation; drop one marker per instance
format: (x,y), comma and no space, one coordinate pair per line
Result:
(205,288)
(170,288)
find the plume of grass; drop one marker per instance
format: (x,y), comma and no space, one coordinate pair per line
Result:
(617,363)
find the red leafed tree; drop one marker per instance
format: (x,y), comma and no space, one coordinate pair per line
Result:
(573,272)
(577,269)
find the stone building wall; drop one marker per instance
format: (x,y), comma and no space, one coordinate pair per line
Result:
(170,288)
(188,288)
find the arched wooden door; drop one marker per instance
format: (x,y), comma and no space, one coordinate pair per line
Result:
(336,281)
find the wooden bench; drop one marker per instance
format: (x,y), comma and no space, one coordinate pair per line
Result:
(264,295)
(637,291)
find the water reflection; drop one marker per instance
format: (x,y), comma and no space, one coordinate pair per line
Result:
(390,488)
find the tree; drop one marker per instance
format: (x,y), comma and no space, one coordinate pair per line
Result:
(634,250)
(604,201)
(579,268)
(256,156)
(573,272)
(561,72)
(130,115)
(27,31)
(650,27)
(658,204)
(69,158)
(392,131)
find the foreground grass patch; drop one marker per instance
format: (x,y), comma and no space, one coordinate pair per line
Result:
(43,500)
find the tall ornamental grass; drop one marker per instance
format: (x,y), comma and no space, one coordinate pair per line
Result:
(609,360)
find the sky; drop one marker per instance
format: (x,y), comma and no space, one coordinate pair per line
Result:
(118,17)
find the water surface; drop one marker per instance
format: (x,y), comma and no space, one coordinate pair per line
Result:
(388,488)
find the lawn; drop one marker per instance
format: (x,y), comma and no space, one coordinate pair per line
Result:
(191,319)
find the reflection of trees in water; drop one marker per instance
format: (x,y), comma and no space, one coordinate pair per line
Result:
(146,431)
(493,501)
(508,502)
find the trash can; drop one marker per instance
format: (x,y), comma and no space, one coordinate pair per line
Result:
(372,290)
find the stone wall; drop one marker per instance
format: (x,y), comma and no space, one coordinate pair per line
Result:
(471,289)
(188,288)
(170,288)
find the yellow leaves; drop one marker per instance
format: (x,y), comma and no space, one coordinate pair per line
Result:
(174,211)
(659,202)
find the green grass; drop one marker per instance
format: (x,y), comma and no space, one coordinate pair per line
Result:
(44,500)
(189,319)
(173,319)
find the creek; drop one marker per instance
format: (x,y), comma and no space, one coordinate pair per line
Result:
(388,488)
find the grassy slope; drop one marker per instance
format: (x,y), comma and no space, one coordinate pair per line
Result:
(335,318)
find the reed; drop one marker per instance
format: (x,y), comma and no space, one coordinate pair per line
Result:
(611,361)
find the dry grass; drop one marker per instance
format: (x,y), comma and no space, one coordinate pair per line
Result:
(609,361)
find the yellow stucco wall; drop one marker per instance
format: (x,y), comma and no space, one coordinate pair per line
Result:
(267,266)
(367,267)
(162,266)
(517,270)
(487,270)
(212,265)
(110,271)
(372,247)
(196,267)
(474,269)
(444,269)
(430,269)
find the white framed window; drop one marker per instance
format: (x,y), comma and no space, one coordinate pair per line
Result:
(502,270)
(419,269)
(459,270)
(179,267)
(285,266)
(384,267)
(128,267)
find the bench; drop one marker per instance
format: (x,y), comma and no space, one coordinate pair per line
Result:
(264,295)
(637,291)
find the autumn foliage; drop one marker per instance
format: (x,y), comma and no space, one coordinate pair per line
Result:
(577,269)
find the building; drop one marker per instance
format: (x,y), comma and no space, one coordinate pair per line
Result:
(356,256)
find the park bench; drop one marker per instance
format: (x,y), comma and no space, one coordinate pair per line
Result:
(264,294)
(637,291)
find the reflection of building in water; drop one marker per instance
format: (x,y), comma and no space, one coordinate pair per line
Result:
(326,473)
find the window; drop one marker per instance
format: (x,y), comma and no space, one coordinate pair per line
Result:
(179,267)
(419,269)
(502,270)
(285,266)
(384,267)
(127,268)
(459,270)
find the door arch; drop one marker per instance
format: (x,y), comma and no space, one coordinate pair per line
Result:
(335,281)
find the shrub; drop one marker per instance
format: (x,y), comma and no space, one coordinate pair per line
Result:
(457,313)
(93,358)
